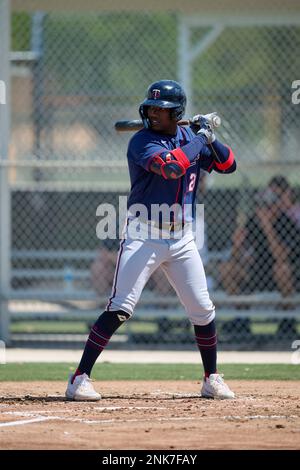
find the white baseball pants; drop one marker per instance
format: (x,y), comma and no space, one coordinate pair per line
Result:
(179,260)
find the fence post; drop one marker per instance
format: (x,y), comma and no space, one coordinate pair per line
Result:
(5,204)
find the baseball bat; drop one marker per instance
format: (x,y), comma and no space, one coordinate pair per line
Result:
(136,125)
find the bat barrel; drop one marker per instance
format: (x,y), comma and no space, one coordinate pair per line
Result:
(134,125)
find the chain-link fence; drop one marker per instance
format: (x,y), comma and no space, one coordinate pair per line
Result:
(72,77)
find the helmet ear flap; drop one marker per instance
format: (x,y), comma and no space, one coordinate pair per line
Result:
(177,114)
(173,114)
(143,111)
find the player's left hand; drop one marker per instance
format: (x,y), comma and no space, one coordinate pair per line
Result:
(200,125)
(202,120)
(196,123)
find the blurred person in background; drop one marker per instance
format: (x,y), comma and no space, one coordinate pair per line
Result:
(103,269)
(266,251)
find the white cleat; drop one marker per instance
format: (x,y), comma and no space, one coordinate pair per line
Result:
(215,387)
(81,389)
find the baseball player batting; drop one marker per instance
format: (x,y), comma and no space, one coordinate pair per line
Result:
(164,161)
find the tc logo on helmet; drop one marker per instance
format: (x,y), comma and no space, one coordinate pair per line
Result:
(155,94)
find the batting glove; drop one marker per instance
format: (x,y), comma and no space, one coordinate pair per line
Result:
(195,124)
(208,132)
(200,125)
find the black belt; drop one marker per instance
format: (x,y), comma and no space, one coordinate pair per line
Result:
(172,226)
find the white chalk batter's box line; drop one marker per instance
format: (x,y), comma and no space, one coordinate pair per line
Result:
(159,394)
(98,408)
(35,418)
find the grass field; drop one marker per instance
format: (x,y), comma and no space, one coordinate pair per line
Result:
(48,371)
(81,327)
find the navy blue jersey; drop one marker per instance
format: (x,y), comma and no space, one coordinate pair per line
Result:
(149,188)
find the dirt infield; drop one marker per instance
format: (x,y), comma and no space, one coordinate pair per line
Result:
(150,415)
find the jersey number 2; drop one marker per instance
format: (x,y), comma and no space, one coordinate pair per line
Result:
(192,181)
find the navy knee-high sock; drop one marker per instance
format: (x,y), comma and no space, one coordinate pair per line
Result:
(98,339)
(206,338)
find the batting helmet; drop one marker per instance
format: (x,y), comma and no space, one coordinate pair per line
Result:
(164,94)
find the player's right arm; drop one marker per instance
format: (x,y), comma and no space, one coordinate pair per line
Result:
(170,164)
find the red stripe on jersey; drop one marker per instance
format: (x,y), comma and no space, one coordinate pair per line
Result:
(210,168)
(228,163)
(178,189)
